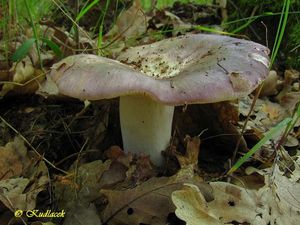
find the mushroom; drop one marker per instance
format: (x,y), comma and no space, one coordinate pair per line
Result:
(152,79)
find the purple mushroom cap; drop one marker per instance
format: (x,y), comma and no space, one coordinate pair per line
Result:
(195,68)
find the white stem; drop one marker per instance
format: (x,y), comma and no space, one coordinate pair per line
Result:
(146,125)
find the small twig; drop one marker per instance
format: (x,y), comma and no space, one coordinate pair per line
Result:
(77,163)
(73,21)
(221,135)
(204,130)
(266,28)
(86,106)
(245,123)
(75,154)
(67,132)
(246,18)
(295,48)
(23,84)
(250,26)
(76,27)
(226,71)
(33,148)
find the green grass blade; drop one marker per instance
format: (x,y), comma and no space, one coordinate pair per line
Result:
(293,122)
(240,28)
(269,135)
(23,50)
(212,30)
(298,110)
(100,33)
(84,10)
(34,32)
(251,19)
(280,31)
(279,26)
(265,14)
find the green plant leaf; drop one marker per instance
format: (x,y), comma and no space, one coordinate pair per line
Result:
(269,135)
(240,28)
(54,47)
(212,30)
(296,117)
(280,30)
(23,50)
(100,32)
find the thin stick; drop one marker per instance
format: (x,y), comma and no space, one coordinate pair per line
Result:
(23,84)
(33,148)
(77,164)
(245,123)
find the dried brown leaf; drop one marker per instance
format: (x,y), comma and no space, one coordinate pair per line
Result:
(270,85)
(84,188)
(13,159)
(275,203)
(21,193)
(131,23)
(148,203)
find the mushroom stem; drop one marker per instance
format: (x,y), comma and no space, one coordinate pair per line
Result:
(146,125)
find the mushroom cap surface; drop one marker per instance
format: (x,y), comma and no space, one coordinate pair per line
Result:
(194,68)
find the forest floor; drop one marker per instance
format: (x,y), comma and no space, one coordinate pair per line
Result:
(63,157)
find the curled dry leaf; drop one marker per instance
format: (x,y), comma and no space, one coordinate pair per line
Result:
(192,152)
(192,207)
(290,76)
(290,100)
(20,192)
(270,85)
(275,203)
(23,72)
